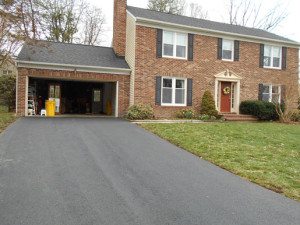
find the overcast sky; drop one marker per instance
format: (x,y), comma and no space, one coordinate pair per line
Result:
(216,11)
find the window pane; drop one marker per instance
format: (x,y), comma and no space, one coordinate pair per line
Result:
(168,37)
(168,50)
(226,54)
(181,51)
(167,82)
(265,97)
(266,89)
(227,45)
(179,83)
(276,52)
(179,96)
(267,61)
(275,89)
(167,95)
(181,39)
(267,51)
(276,62)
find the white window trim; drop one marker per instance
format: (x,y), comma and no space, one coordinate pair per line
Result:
(271,92)
(232,49)
(280,57)
(174,45)
(174,91)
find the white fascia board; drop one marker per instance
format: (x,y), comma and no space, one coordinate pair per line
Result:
(130,14)
(70,67)
(210,32)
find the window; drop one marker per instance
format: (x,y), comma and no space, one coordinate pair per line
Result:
(272,56)
(7,72)
(227,49)
(174,45)
(271,93)
(173,91)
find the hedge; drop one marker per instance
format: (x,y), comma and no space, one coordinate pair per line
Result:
(260,109)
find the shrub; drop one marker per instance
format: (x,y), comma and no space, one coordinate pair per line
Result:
(8,91)
(205,117)
(262,110)
(208,105)
(186,114)
(140,112)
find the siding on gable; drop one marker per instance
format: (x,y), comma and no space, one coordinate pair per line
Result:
(130,52)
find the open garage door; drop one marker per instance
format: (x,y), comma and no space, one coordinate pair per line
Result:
(73,97)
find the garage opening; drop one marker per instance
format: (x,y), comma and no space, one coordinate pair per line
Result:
(72,97)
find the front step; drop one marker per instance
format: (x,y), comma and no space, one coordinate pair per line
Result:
(238,117)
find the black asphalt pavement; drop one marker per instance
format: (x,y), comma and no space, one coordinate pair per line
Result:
(86,171)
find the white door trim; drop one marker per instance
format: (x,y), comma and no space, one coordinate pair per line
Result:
(117,100)
(228,76)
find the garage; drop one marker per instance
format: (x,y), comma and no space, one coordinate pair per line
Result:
(81,79)
(72,97)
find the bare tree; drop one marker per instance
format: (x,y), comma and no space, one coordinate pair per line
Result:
(18,23)
(168,6)
(93,26)
(248,13)
(61,18)
(195,10)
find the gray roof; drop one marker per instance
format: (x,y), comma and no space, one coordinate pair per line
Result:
(71,54)
(204,24)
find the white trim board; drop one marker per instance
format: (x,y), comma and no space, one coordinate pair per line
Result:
(70,67)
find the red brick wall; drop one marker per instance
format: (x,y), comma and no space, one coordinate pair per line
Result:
(23,73)
(203,69)
(119,27)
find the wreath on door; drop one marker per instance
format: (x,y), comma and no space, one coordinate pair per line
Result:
(226,90)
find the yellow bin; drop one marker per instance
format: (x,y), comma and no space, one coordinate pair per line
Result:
(50,108)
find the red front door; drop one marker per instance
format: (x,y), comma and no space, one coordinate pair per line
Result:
(225,96)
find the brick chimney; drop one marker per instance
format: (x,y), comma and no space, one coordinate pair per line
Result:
(119,32)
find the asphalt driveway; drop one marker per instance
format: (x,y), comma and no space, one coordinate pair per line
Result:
(66,171)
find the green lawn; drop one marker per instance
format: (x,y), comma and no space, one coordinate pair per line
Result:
(6,118)
(264,153)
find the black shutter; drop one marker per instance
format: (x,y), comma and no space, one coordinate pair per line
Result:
(220,42)
(190,47)
(158,90)
(260,92)
(261,55)
(189,96)
(236,50)
(284,51)
(159,40)
(283,94)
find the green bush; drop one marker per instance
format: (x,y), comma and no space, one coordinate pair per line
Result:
(186,114)
(208,105)
(140,112)
(261,109)
(8,92)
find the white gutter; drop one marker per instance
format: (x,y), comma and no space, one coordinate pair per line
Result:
(161,24)
(71,67)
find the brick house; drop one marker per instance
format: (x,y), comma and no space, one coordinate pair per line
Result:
(164,60)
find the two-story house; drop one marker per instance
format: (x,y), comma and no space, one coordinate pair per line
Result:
(165,60)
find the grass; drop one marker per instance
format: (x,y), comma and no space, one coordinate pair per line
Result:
(264,153)
(6,118)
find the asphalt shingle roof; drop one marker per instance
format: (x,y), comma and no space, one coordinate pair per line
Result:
(71,54)
(204,24)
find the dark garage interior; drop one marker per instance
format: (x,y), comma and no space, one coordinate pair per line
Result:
(71,97)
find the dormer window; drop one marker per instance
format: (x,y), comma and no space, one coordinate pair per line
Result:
(174,44)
